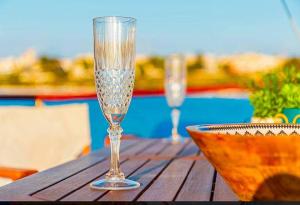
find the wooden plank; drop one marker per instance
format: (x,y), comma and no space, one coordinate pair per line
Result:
(198,185)
(31,184)
(57,191)
(140,175)
(22,198)
(87,194)
(222,191)
(171,178)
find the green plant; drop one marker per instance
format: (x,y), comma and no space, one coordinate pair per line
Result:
(278,90)
(291,93)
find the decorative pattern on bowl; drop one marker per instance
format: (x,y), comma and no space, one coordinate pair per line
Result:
(258,161)
(255,129)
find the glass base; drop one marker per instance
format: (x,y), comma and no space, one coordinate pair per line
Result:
(176,140)
(105,184)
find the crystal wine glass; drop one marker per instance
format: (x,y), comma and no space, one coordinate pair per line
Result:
(175,87)
(114,55)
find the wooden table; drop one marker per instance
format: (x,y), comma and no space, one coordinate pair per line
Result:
(166,172)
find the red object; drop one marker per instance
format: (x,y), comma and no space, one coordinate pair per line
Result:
(15,173)
(93,95)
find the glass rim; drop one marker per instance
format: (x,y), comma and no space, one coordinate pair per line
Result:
(103,19)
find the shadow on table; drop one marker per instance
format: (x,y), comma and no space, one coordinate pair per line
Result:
(280,187)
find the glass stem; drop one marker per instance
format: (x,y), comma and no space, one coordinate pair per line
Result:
(175,114)
(115,173)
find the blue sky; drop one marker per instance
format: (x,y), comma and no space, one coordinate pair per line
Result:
(64,27)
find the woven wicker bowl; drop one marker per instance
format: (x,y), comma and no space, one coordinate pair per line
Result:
(258,161)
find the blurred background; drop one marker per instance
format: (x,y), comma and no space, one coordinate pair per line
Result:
(49,44)
(46,59)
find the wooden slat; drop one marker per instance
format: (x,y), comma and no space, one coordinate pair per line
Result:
(166,186)
(74,182)
(38,181)
(198,184)
(166,172)
(87,194)
(22,198)
(144,175)
(222,191)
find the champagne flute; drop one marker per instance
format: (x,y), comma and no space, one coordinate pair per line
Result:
(175,87)
(114,56)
